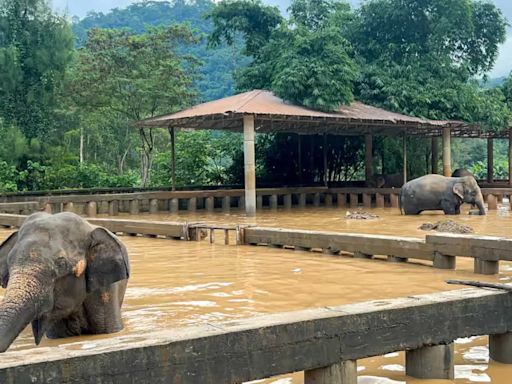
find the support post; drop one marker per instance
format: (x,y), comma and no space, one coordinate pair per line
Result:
(326,175)
(500,348)
(444,261)
(302,200)
(368,155)
(210,203)
(432,362)
(92,209)
(69,207)
(249,166)
(113,208)
(172,132)
(447,152)
(510,157)
(405,157)
(344,372)
(435,154)
(134,207)
(175,205)
(490,160)
(153,206)
(486,267)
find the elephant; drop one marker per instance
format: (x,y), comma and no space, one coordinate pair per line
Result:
(63,275)
(461,172)
(436,192)
(395,180)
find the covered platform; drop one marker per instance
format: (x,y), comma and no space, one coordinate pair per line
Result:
(260,111)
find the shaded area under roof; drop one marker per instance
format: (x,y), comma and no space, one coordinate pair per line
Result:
(273,114)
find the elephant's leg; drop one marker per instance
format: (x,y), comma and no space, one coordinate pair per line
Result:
(74,325)
(449,208)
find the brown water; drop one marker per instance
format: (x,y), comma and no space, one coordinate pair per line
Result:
(177,283)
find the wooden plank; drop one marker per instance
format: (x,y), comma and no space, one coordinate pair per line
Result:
(269,345)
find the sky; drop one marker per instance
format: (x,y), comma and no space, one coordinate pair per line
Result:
(80,8)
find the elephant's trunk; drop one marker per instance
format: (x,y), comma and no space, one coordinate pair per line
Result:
(19,307)
(479,201)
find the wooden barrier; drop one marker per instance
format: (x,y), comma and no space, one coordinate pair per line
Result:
(323,342)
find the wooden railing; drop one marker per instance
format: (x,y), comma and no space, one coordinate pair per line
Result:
(324,342)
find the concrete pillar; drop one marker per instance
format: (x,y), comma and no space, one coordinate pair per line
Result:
(510,157)
(344,372)
(435,154)
(354,200)
(367,200)
(447,152)
(379,199)
(134,207)
(316,199)
(492,203)
(394,200)
(287,201)
(486,267)
(259,201)
(434,362)
(91,209)
(210,203)
(175,205)
(226,203)
(328,200)
(113,208)
(249,166)
(302,200)
(500,348)
(68,207)
(490,160)
(368,156)
(342,200)
(405,158)
(192,204)
(153,206)
(444,261)
(273,201)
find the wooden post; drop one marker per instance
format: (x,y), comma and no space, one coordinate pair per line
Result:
(299,150)
(326,175)
(344,372)
(405,157)
(435,154)
(368,155)
(172,132)
(226,237)
(490,160)
(447,152)
(249,163)
(510,157)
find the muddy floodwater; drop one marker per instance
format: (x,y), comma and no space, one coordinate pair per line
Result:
(178,283)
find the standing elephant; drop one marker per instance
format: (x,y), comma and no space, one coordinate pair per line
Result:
(64,276)
(395,180)
(436,192)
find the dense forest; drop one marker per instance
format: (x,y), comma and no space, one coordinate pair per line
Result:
(70,90)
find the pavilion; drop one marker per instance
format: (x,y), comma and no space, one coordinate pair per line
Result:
(260,111)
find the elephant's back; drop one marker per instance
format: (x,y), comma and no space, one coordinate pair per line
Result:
(65,224)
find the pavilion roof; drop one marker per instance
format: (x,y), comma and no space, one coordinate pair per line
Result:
(273,114)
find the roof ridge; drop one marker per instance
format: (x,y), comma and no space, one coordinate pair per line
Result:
(257,92)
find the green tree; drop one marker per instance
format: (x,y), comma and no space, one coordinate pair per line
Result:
(35,50)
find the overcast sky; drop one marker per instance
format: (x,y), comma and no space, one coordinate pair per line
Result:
(80,8)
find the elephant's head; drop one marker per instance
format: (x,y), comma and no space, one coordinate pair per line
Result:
(468,191)
(48,271)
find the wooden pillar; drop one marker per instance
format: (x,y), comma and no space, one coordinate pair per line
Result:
(326,176)
(510,157)
(405,157)
(368,156)
(431,362)
(344,372)
(299,150)
(435,154)
(172,132)
(490,160)
(447,152)
(249,166)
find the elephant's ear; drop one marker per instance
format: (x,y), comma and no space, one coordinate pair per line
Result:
(5,248)
(458,189)
(107,260)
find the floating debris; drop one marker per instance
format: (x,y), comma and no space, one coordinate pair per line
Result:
(449,226)
(360,215)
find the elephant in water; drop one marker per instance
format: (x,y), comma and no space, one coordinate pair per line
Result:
(64,276)
(386,181)
(461,172)
(436,192)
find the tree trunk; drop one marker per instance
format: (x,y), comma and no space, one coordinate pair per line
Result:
(81,145)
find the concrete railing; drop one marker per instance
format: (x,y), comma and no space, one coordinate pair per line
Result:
(325,343)
(209,200)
